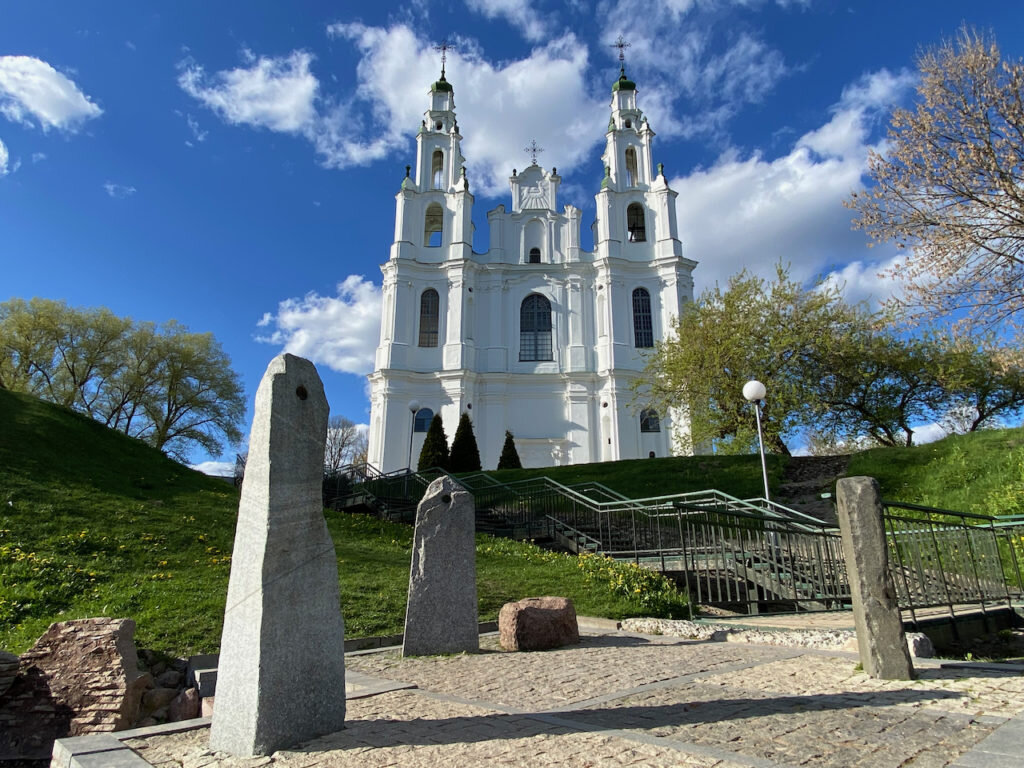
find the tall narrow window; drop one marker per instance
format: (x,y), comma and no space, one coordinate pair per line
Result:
(535,255)
(437,169)
(635,223)
(423,418)
(643,328)
(649,421)
(535,329)
(433,226)
(429,304)
(631,174)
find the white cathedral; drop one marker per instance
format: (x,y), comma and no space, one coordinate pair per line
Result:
(535,336)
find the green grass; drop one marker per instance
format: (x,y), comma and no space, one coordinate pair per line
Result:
(93,523)
(981,472)
(739,476)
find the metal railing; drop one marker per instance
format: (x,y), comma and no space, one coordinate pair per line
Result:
(940,558)
(749,554)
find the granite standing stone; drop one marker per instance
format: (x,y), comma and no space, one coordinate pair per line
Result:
(880,636)
(441,615)
(281,677)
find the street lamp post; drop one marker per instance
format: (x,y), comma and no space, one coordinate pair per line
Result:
(754,392)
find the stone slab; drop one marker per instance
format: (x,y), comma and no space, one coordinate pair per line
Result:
(281,672)
(441,613)
(881,638)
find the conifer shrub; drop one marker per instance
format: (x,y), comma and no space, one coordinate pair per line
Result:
(509,458)
(464,456)
(435,446)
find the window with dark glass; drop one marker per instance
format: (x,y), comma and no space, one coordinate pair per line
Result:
(535,329)
(635,223)
(535,255)
(643,328)
(429,306)
(423,418)
(649,421)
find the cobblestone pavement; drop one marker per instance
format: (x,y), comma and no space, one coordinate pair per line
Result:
(620,699)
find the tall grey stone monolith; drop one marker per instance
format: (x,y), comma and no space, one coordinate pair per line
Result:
(880,636)
(441,615)
(281,675)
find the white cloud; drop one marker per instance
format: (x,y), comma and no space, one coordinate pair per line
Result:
(193,126)
(31,89)
(4,155)
(519,13)
(929,433)
(397,68)
(274,93)
(119,190)
(339,331)
(215,468)
(693,49)
(754,212)
(393,78)
(38,157)
(865,281)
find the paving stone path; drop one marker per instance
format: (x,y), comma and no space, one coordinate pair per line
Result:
(621,699)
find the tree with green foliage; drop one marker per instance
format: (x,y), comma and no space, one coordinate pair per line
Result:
(984,381)
(751,330)
(165,385)
(464,456)
(435,446)
(509,458)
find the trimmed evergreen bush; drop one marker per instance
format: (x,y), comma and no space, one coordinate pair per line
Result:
(465,456)
(435,446)
(509,455)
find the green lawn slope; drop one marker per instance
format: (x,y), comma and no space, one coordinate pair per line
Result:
(93,523)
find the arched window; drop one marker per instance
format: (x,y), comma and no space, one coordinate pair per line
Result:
(433,226)
(649,421)
(429,305)
(631,174)
(423,418)
(635,223)
(643,328)
(437,169)
(535,255)
(535,329)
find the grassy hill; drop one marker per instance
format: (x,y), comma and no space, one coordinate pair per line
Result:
(94,523)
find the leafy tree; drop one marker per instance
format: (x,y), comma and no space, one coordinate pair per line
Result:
(984,382)
(167,386)
(752,329)
(509,458)
(435,446)
(201,399)
(342,435)
(876,384)
(950,188)
(464,456)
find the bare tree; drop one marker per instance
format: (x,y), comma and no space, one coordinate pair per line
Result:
(342,436)
(950,186)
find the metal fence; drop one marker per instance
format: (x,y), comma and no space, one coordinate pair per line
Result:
(748,554)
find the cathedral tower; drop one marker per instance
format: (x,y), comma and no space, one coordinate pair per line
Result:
(536,335)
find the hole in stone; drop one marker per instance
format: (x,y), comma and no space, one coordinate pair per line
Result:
(447,498)
(301,392)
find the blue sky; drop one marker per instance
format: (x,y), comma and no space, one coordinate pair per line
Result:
(233,165)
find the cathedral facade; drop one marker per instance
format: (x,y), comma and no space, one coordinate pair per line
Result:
(536,336)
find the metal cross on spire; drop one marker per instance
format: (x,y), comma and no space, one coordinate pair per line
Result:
(444,47)
(534,150)
(622,45)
